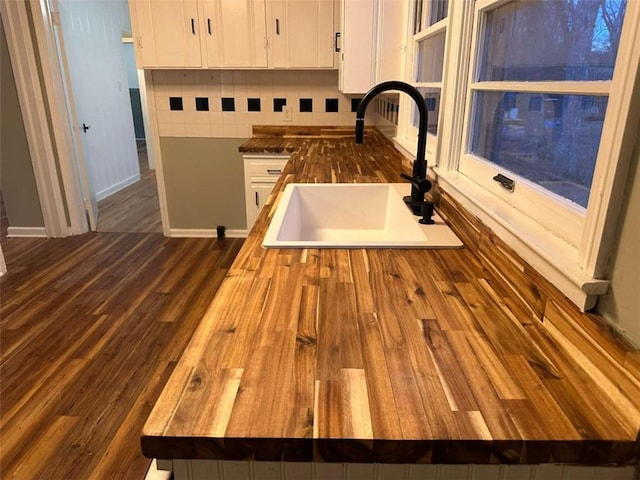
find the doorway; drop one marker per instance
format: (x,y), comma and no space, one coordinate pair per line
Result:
(93,59)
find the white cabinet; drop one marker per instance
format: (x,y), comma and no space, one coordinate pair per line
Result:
(260,175)
(372,46)
(301,33)
(167,33)
(204,33)
(234,35)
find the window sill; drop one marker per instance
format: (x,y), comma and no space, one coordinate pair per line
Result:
(552,257)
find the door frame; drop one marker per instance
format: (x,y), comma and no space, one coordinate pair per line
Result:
(80,205)
(59,193)
(32,100)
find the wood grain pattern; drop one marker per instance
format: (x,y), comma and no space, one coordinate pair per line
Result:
(91,328)
(394,355)
(135,208)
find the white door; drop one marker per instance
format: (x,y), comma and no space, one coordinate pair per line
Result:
(92,46)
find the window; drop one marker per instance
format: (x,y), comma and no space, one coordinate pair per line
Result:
(538,91)
(537,99)
(427,73)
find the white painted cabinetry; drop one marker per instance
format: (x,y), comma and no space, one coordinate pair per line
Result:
(203,33)
(260,175)
(301,33)
(166,34)
(372,43)
(233,33)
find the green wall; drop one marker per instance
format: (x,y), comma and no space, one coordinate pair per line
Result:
(17,180)
(204,181)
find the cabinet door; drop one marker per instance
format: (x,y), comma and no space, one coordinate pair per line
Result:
(301,33)
(357,59)
(258,194)
(168,33)
(234,33)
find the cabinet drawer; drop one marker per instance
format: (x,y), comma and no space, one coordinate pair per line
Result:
(264,168)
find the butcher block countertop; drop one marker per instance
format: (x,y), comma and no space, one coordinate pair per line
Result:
(403,356)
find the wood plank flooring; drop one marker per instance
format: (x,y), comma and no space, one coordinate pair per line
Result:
(91,327)
(135,208)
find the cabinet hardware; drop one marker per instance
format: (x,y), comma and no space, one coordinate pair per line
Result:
(209,25)
(506,182)
(257,201)
(193,26)
(274,171)
(277,26)
(335,43)
(85,127)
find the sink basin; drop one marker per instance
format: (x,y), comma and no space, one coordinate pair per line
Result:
(348,215)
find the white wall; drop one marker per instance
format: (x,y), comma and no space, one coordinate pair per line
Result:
(93,42)
(621,305)
(130,65)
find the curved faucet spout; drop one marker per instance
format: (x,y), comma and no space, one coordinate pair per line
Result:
(420,163)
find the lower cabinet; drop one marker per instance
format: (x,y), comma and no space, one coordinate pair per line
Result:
(260,175)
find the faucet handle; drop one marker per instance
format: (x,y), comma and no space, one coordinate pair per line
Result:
(422,184)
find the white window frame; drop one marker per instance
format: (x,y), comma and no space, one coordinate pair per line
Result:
(577,267)
(407,134)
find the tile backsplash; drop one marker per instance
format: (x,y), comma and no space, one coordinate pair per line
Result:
(216,103)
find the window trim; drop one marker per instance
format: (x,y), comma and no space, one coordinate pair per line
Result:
(578,271)
(407,134)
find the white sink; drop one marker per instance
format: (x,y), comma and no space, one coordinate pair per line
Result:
(349,215)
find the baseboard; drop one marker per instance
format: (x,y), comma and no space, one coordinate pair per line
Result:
(117,187)
(26,232)
(205,233)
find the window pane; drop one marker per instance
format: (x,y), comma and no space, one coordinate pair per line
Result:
(551,140)
(552,40)
(430,58)
(417,16)
(438,11)
(432,99)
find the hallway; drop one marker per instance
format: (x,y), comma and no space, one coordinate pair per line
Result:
(134,209)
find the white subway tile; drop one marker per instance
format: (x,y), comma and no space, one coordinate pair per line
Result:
(229,131)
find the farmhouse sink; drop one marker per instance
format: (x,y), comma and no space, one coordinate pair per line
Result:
(349,215)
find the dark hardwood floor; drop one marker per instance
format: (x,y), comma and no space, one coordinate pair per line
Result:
(91,328)
(135,208)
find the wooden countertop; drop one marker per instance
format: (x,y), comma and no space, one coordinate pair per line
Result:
(387,356)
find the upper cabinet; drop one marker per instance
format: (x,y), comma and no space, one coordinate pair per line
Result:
(372,45)
(166,34)
(301,33)
(233,33)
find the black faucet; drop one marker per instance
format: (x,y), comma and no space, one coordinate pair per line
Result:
(419,183)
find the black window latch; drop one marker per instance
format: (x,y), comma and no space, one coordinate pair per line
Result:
(506,182)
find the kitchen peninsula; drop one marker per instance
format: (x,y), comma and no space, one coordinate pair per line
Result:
(392,356)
